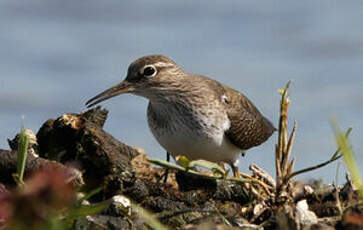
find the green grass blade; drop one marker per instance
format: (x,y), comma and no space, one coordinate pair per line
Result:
(22,154)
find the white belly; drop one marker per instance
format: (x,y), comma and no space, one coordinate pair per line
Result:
(195,147)
(203,140)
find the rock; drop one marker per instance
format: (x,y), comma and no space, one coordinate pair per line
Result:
(120,206)
(305,216)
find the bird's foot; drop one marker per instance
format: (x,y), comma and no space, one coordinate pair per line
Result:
(164,176)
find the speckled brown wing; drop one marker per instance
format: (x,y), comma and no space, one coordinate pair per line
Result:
(249,127)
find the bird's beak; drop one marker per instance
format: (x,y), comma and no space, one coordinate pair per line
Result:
(123,87)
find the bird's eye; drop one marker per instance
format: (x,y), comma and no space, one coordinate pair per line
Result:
(149,71)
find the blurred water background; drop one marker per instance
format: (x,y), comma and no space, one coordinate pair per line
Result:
(54,55)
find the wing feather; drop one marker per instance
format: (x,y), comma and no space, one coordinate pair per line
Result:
(249,127)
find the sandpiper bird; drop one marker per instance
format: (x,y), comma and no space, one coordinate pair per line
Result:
(193,115)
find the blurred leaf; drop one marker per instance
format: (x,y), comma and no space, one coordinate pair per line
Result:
(348,154)
(85,210)
(54,224)
(89,195)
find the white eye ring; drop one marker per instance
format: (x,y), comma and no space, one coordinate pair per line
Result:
(149,71)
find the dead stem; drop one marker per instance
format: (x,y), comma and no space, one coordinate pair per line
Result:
(264,186)
(284,167)
(284,145)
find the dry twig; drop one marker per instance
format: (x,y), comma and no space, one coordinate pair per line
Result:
(284,167)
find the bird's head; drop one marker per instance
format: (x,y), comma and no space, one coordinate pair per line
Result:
(149,76)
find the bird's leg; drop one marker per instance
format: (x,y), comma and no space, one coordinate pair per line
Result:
(167,156)
(165,175)
(235,170)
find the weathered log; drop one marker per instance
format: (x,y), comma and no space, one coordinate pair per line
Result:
(8,161)
(79,139)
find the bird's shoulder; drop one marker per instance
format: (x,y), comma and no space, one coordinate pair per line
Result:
(235,102)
